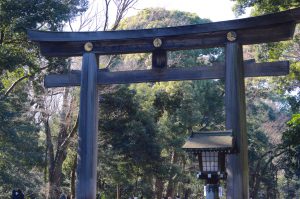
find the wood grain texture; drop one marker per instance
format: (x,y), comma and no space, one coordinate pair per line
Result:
(159,59)
(246,23)
(88,130)
(267,28)
(277,32)
(217,71)
(235,109)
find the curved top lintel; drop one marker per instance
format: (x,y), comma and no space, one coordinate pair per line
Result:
(238,24)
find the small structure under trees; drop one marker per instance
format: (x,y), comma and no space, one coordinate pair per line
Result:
(210,148)
(231,35)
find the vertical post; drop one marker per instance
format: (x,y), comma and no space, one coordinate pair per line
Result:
(237,164)
(212,191)
(88,129)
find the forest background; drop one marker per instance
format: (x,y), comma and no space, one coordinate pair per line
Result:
(141,126)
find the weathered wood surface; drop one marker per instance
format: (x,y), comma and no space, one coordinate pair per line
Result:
(88,130)
(278,32)
(159,58)
(235,109)
(246,23)
(266,28)
(217,71)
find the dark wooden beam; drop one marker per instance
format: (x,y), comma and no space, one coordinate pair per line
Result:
(256,34)
(125,35)
(159,59)
(267,28)
(217,71)
(252,69)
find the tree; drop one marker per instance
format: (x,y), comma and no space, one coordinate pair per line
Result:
(20,62)
(264,6)
(60,128)
(291,162)
(129,150)
(20,152)
(177,108)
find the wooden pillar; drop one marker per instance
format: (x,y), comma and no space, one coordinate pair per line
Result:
(212,191)
(237,164)
(88,129)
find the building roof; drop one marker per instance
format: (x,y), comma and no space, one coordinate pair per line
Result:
(209,141)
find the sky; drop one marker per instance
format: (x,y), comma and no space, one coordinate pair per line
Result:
(215,10)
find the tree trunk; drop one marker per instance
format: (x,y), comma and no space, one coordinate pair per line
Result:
(186,193)
(118,191)
(172,181)
(256,185)
(56,159)
(159,188)
(170,188)
(55,174)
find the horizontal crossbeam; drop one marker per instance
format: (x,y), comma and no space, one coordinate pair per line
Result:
(216,71)
(267,28)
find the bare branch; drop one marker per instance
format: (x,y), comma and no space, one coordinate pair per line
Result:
(40,26)
(122,8)
(107,2)
(71,134)
(14,84)
(109,62)
(18,81)
(88,18)
(63,126)
(70,25)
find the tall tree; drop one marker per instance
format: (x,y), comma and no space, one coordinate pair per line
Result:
(129,150)
(268,6)
(176,108)
(61,122)
(21,68)
(20,151)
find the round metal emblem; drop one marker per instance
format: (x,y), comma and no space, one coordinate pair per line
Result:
(88,46)
(157,42)
(231,36)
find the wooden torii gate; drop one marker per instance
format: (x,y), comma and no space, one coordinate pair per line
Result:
(229,34)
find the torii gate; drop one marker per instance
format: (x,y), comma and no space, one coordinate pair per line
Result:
(229,34)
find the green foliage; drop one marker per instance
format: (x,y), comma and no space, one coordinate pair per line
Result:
(290,162)
(29,14)
(159,17)
(129,148)
(16,17)
(143,126)
(264,6)
(20,151)
(13,57)
(290,137)
(172,109)
(20,145)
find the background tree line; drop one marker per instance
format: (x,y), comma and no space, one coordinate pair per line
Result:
(141,126)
